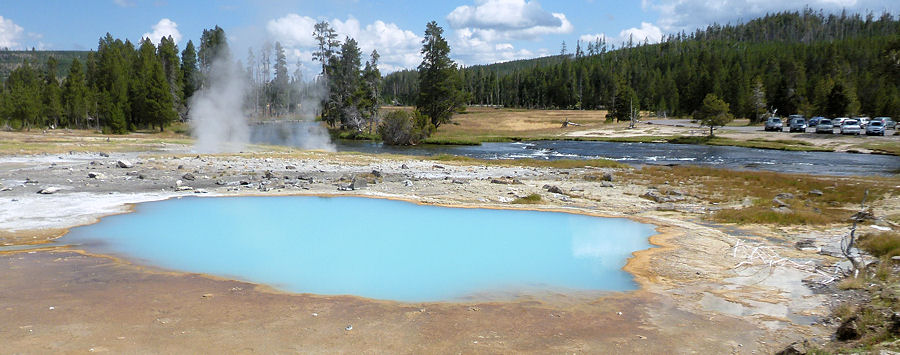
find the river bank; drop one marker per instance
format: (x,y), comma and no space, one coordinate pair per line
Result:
(701,291)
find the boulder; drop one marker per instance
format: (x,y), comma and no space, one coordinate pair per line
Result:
(407,183)
(815,193)
(189,177)
(607,177)
(220,182)
(376,173)
(404,166)
(104,154)
(555,189)
(606,184)
(124,164)
(49,190)
(806,245)
(290,167)
(655,196)
(96,175)
(780,203)
(849,330)
(796,348)
(782,209)
(784,196)
(358,183)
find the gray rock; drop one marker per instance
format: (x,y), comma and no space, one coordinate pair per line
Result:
(124,164)
(290,167)
(796,348)
(404,166)
(458,181)
(96,175)
(655,196)
(785,196)
(555,189)
(816,192)
(189,177)
(848,330)
(407,183)
(376,173)
(501,182)
(607,177)
(269,175)
(779,202)
(806,245)
(183,188)
(244,182)
(220,182)
(358,183)
(782,209)
(49,190)
(104,154)
(606,184)
(132,173)
(668,206)
(437,166)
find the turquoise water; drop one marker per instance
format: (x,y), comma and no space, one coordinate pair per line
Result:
(373,248)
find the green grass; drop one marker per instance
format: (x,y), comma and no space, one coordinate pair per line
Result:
(559,164)
(884,244)
(528,200)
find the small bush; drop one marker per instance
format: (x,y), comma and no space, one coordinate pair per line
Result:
(528,200)
(884,244)
(404,128)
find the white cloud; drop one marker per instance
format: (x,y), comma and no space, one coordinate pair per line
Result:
(486,31)
(503,15)
(647,32)
(10,33)
(677,15)
(163,28)
(397,47)
(499,20)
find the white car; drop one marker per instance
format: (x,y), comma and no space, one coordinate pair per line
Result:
(863,122)
(837,122)
(875,128)
(850,127)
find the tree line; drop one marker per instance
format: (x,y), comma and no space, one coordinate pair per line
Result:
(793,62)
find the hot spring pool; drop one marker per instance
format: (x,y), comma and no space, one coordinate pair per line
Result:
(373,248)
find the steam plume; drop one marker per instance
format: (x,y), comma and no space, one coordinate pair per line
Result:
(217,119)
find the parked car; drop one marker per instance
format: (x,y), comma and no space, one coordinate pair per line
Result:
(774,124)
(850,127)
(815,121)
(797,124)
(837,122)
(825,126)
(863,122)
(875,128)
(888,122)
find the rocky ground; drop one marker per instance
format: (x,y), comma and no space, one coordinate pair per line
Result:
(705,289)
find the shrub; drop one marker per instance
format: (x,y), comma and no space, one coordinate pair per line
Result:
(404,128)
(528,200)
(885,244)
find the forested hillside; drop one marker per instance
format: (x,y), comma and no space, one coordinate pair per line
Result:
(10,60)
(795,62)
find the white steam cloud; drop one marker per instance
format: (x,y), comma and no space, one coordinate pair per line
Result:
(217,119)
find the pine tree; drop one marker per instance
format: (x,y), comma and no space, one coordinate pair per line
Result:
(281,83)
(74,95)
(440,87)
(713,113)
(168,56)
(189,70)
(52,96)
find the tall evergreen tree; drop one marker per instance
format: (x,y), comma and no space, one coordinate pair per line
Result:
(713,113)
(168,56)
(52,93)
(281,83)
(440,87)
(74,95)
(189,70)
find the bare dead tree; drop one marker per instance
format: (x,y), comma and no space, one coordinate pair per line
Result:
(848,243)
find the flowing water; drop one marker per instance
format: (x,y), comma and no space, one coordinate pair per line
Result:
(374,248)
(821,163)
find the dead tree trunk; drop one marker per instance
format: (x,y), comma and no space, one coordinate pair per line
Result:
(848,243)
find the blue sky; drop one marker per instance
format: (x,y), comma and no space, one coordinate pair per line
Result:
(479,31)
